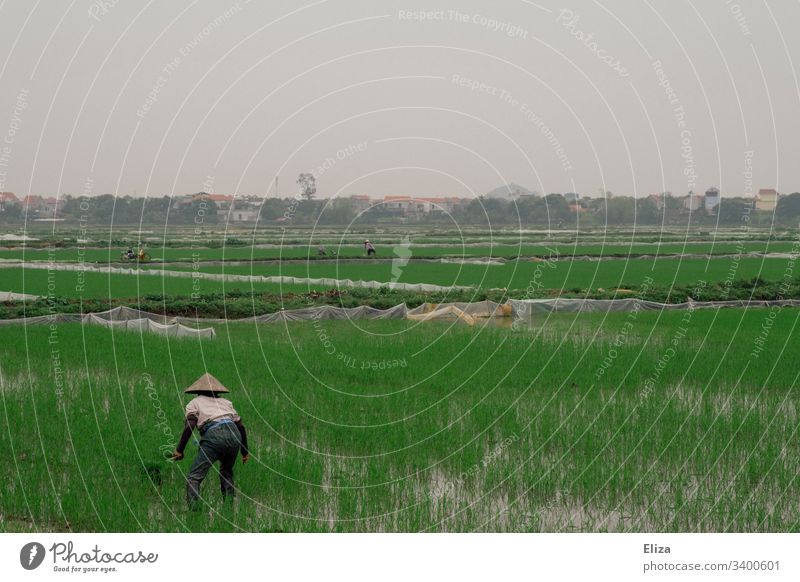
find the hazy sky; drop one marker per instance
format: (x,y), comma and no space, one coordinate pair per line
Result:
(387,98)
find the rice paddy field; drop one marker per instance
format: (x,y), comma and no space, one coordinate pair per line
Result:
(554,260)
(565,274)
(419,246)
(520,275)
(591,422)
(674,421)
(89,285)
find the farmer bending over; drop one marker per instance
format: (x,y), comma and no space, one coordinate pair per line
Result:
(369,248)
(222,437)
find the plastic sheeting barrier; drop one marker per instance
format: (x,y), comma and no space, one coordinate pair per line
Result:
(129,318)
(528,306)
(121,318)
(11,296)
(476,309)
(449,312)
(150,326)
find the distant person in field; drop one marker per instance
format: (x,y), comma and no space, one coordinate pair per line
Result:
(222,437)
(369,248)
(321,251)
(129,253)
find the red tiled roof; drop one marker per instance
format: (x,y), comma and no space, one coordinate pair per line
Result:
(217,197)
(8,197)
(767,191)
(433,199)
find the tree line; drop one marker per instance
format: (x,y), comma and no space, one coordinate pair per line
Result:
(553,210)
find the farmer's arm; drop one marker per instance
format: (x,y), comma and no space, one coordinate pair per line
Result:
(243,433)
(188,427)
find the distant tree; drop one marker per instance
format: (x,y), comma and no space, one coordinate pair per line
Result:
(101,209)
(557,209)
(154,210)
(338,211)
(620,210)
(274,208)
(199,212)
(733,210)
(135,207)
(11,213)
(647,211)
(499,211)
(474,212)
(72,206)
(788,209)
(673,203)
(308,185)
(532,209)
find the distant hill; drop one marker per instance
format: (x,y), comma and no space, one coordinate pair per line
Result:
(509,192)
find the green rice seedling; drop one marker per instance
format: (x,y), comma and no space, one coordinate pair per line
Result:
(483,429)
(468,246)
(531,275)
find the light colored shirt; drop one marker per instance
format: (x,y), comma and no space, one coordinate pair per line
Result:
(206,409)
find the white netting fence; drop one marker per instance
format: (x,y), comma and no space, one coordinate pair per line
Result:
(135,319)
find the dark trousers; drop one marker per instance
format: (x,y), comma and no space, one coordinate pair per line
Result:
(221,443)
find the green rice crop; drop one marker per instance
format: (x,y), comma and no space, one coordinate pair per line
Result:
(506,249)
(537,275)
(639,422)
(75,284)
(574,276)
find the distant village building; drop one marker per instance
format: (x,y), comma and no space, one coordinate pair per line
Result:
(660,200)
(412,207)
(244,214)
(415,207)
(230,208)
(36,206)
(50,207)
(400,204)
(711,200)
(223,202)
(246,209)
(692,202)
(8,199)
(453,202)
(437,204)
(360,203)
(32,203)
(577,207)
(767,199)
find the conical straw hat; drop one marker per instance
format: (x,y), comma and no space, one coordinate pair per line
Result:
(206,383)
